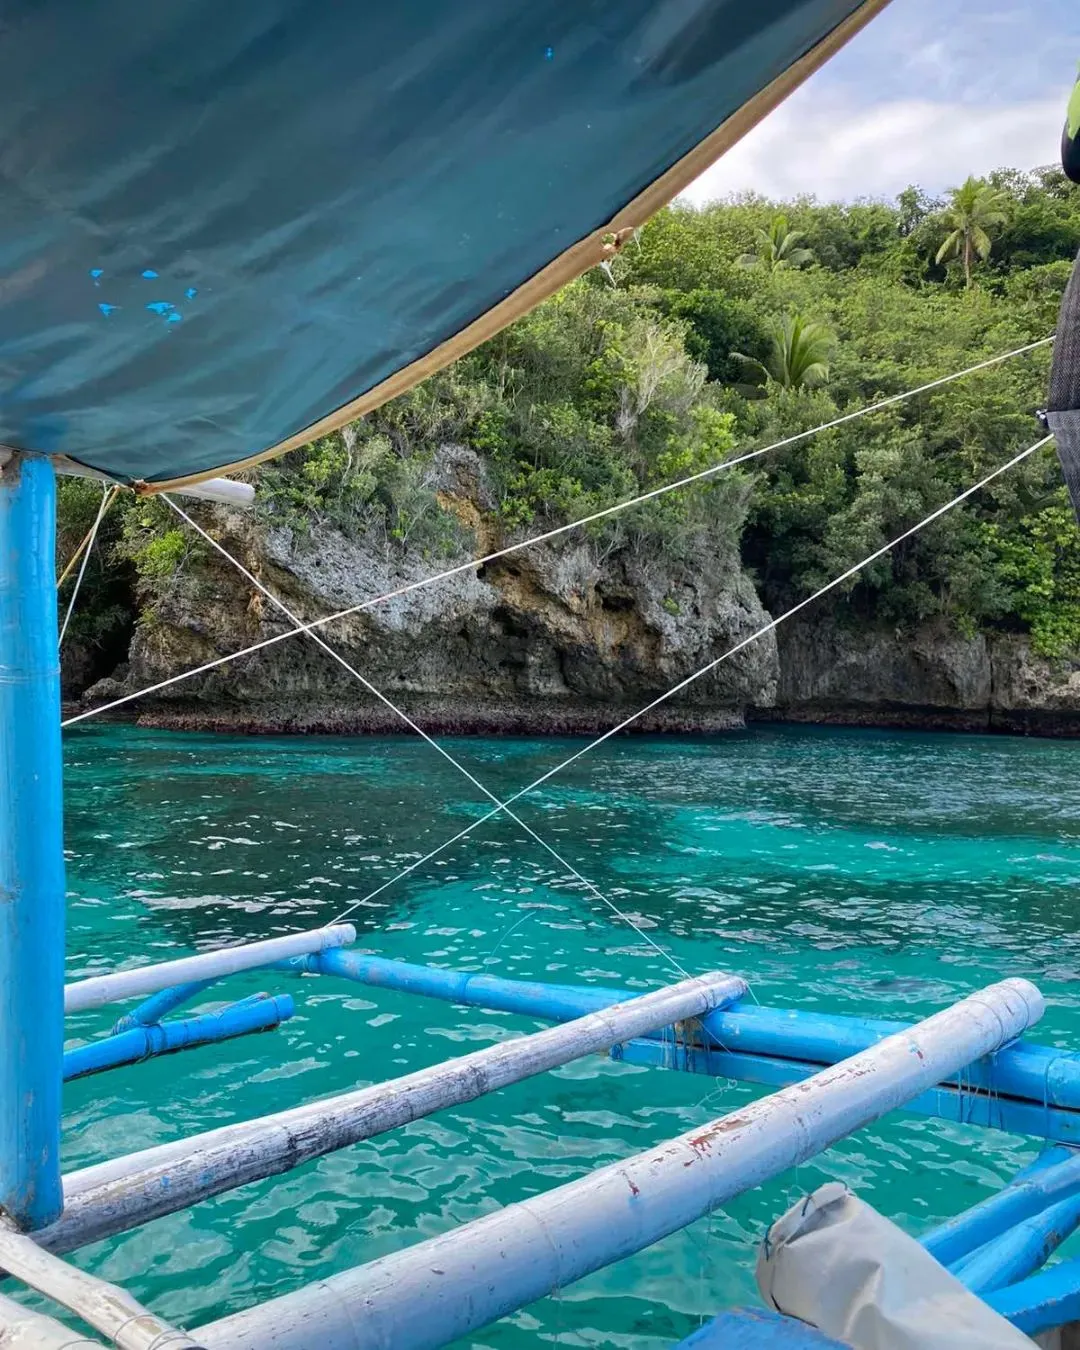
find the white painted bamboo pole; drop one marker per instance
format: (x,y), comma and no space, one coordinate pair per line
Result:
(106,1307)
(233,1155)
(227,491)
(118,985)
(22,1329)
(436,1291)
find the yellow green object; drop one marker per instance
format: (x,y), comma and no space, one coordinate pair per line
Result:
(1073,115)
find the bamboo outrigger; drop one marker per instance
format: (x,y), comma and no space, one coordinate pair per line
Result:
(195,189)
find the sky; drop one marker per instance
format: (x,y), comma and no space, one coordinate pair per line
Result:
(929,92)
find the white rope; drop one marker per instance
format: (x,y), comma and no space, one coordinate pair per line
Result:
(559,530)
(105,490)
(690,679)
(414,726)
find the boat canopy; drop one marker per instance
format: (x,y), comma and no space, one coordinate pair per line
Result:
(227,228)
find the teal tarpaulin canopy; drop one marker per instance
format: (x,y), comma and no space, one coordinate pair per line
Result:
(228,224)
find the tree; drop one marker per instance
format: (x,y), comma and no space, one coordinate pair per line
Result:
(974,210)
(717,324)
(777,248)
(600,394)
(798,356)
(913,206)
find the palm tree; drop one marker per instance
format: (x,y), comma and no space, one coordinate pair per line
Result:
(798,356)
(777,248)
(974,210)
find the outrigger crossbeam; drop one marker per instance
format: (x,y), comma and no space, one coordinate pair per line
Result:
(834,1074)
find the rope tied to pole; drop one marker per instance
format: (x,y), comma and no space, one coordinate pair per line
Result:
(86,539)
(108,496)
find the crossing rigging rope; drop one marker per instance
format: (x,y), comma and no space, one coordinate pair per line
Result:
(414,726)
(86,540)
(697,675)
(299,626)
(559,530)
(86,548)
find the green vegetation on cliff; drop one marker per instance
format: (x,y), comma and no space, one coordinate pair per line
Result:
(731,327)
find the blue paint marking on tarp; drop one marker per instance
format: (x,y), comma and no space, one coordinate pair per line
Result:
(160,306)
(107,309)
(190,293)
(150,274)
(652,79)
(174,318)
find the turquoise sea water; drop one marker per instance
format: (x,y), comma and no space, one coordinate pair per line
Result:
(854,871)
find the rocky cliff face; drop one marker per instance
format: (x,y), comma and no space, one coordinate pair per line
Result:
(931,678)
(556,638)
(560,637)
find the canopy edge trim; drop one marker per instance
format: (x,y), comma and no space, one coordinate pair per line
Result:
(576,260)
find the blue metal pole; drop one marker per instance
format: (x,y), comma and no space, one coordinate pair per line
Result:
(259,1013)
(31,848)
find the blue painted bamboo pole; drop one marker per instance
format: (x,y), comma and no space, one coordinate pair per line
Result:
(117,986)
(1049,1157)
(260,1013)
(1045,1161)
(966,1233)
(552,1002)
(1031,1072)
(1022,1250)
(1045,1301)
(943,1103)
(1035,1072)
(157,1006)
(31,848)
(751,1329)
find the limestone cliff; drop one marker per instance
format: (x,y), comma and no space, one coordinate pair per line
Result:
(568,636)
(931,678)
(559,637)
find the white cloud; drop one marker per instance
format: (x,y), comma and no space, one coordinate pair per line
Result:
(835,149)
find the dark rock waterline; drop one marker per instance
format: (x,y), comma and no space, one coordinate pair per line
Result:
(986,721)
(444,718)
(812,673)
